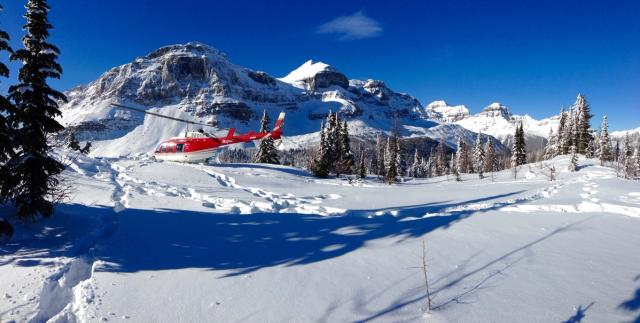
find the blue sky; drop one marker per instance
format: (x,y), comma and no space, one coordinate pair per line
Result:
(533,56)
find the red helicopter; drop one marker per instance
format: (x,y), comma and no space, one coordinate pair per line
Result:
(198,146)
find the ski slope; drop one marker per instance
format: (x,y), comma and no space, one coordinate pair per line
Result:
(145,241)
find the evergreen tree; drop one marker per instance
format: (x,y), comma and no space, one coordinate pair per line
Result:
(460,158)
(362,169)
(573,163)
(391,175)
(551,149)
(636,164)
(331,139)
(518,152)
(34,171)
(479,156)
(491,160)
(441,159)
(321,162)
(7,109)
(416,167)
(583,124)
(568,132)
(267,152)
(380,151)
(626,158)
(604,151)
(561,140)
(455,166)
(345,162)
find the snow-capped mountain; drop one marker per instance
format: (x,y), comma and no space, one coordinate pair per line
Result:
(198,82)
(441,111)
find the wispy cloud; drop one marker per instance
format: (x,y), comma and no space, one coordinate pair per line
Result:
(356,26)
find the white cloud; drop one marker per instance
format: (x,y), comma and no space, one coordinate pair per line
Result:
(356,26)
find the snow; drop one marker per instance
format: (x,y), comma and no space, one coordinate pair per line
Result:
(149,241)
(440,110)
(305,71)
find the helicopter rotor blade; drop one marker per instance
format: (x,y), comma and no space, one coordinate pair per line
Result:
(161,115)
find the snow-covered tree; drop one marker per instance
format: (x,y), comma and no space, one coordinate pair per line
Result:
(416,167)
(455,167)
(267,152)
(391,175)
(33,184)
(460,157)
(562,140)
(479,156)
(573,163)
(604,151)
(551,149)
(583,124)
(626,158)
(635,172)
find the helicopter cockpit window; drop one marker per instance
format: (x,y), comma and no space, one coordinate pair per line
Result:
(179,147)
(163,149)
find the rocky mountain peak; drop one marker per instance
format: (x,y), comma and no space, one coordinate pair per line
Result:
(496,109)
(443,112)
(316,75)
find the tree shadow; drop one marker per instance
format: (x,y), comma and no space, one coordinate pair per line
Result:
(467,291)
(633,304)
(234,243)
(579,315)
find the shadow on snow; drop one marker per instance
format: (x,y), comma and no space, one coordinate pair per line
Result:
(237,243)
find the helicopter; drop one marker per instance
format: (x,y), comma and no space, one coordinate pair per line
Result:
(198,146)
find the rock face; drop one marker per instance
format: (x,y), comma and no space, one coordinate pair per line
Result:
(441,111)
(496,110)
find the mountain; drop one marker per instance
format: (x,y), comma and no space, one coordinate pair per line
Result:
(496,120)
(198,82)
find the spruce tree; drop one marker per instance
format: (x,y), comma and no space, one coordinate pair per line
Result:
(391,175)
(561,140)
(34,171)
(519,154)
(636,163)
(416,166)
(491,161)
(626,158)
(362,169)
(321,162)
(331,139)
(573,163)
(380,150)
(345,162)
(583,124)
(604,151)
(550,150)
(267,152)
(479,156)
(460,158)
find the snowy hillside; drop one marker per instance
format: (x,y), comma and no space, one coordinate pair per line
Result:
(144,241)
(198,82)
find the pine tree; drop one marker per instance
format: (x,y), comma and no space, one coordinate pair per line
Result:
(33,184)
(391,175)
(568,132)
(267,152)
(331,139)
(416,166)
(321,162)
(7,109)
(455,166)
(636,164)
(583,125)
(479,156)
(573,163)
(604,151)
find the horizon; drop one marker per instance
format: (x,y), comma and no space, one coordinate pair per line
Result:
(533,58)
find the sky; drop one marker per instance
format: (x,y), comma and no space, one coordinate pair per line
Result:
(533,56)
